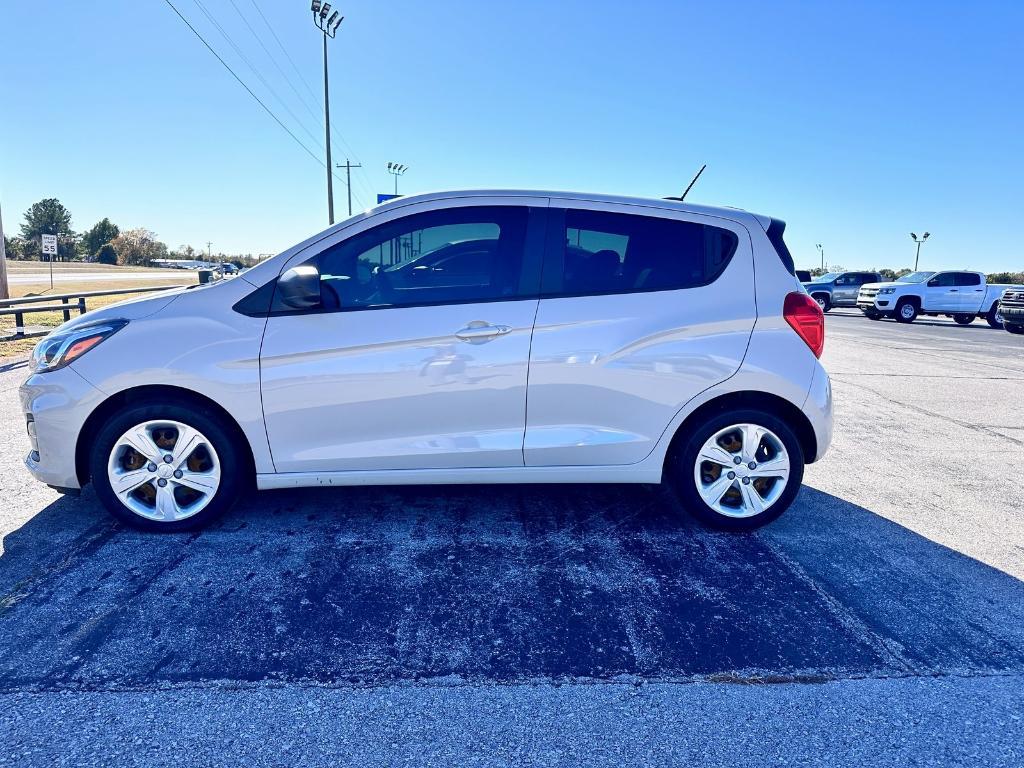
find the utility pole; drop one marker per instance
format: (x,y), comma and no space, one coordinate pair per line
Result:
(919,240)
(329,27)
(209,252)
(5,291)
(348,166)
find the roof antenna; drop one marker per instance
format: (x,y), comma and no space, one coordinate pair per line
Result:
(681,199)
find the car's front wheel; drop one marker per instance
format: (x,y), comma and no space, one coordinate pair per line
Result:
(739,470)
(906,312)
(1017,329)
(824,301)
(166,467)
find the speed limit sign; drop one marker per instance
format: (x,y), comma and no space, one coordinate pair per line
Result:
(49,245)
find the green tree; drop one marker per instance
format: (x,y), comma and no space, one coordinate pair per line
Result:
(102,233)
(138,247)
(106,254)
(50,217)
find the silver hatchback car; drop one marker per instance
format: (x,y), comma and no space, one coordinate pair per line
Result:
(461,337)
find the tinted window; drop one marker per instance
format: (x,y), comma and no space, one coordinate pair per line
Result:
(451,256)
(620,253)
(944,280)
(968,278)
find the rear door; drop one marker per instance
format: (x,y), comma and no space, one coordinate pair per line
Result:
(418,354)
(971,292)
(641,310)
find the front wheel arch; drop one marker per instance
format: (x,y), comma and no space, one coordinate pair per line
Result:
(155,394)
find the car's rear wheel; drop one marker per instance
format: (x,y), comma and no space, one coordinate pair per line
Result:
(992,317)
(963,319)
(873,315)
(906,312)
(169,467)
(738,471)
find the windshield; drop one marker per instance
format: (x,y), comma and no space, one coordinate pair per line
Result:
(914,277)
(828,277)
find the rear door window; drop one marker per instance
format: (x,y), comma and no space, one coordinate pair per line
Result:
(968,278)
(601,252)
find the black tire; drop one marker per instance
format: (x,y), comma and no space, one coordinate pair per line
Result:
(905,315)
(1015,329)
(963,319)
(233,462)
(992,316)
(873,315)
(682,463)
(824,301)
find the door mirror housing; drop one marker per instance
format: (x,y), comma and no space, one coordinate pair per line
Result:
(933,282)
(299,287)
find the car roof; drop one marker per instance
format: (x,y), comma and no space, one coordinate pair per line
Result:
(736,214)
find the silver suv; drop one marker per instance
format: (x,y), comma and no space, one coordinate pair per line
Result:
(462,337)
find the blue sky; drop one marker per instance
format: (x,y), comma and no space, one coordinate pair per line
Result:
(856,123)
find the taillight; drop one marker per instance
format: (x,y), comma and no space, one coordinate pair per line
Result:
(806,318)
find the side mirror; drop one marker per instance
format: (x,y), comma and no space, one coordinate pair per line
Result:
(299,287)
(933,282)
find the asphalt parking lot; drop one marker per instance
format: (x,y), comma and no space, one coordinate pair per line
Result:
(881,620)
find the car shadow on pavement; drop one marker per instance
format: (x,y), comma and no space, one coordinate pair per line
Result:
(366,586)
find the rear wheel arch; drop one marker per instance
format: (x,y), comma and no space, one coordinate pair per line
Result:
(154,394)
(783,409)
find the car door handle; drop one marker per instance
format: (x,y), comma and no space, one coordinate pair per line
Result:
(481,331)
(952,290)
(978,290)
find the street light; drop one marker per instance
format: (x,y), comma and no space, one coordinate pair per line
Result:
(396,170)
(329,27)
(919,240)
(821,250)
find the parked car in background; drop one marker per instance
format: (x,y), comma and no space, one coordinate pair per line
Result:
(961,295)
(228,268)
(839,289)
(804,275)
(1011,310)
(533,337)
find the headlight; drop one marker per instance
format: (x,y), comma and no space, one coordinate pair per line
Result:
(61,347)
(888,290)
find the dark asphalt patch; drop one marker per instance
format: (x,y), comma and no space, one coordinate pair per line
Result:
(375,585)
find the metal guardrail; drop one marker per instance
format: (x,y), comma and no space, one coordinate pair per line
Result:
(69,302)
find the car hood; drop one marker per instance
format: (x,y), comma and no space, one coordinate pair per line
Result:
(135,308)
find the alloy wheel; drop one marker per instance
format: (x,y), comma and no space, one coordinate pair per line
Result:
(164,470)
(742,470)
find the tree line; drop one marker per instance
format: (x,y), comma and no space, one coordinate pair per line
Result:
(104,242)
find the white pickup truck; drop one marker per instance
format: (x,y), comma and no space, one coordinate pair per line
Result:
(960,295)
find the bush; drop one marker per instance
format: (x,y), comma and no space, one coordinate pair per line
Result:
(1006,277)
(106,254)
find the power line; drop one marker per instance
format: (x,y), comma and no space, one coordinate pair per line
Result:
(255,71)
(242,83)
(273,60)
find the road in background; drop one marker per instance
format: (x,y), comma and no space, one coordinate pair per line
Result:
(27,278)
(879,621)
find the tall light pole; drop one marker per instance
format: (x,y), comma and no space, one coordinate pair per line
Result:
(821,250)
(919,240)
(329,27)
(396,170)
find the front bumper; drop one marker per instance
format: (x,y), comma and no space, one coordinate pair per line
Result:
(56,403)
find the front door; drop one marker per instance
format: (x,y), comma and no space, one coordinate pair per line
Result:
(418,354)
(941,293)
